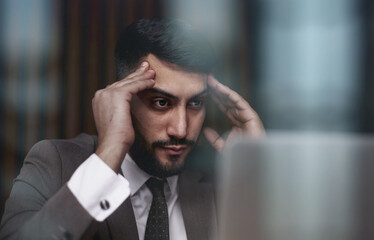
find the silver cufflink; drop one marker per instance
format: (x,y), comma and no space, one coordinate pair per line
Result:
(104,204)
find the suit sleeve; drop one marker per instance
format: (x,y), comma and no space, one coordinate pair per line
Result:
(41,205)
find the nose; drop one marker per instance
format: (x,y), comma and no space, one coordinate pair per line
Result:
(177,126)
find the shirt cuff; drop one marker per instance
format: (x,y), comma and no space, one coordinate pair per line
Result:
(98,188)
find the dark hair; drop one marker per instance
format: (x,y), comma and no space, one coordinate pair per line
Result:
(171,40)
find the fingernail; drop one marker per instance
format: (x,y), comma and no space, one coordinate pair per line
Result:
(144,64)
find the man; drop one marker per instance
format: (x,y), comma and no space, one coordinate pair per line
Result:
(147,123)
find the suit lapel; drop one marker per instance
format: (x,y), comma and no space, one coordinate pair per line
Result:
(122,224)
(198,207)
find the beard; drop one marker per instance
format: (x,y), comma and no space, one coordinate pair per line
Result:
(143,154)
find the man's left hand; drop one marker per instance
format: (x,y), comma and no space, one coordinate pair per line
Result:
(244,119)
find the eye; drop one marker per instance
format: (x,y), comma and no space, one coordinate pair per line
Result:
(196,104)
(161,103)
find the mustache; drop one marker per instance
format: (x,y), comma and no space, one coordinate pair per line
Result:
(174,141)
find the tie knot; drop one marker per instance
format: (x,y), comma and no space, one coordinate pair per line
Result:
(156,186)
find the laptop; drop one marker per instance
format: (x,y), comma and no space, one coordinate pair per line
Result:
(291,186)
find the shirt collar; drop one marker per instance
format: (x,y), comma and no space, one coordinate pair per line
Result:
(137,177)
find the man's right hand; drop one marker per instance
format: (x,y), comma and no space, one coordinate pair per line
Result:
(111,109)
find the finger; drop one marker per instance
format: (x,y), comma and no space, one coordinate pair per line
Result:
(140,71)
(231,116)
(214,139)
(226,110)
(137,86)
(219,98)
(230,112)
(237,105)
(236,108)
(219,101)
(144,66)
(125,92)
(225,95)
(150,74)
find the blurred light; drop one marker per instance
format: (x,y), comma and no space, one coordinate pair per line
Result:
(310,64)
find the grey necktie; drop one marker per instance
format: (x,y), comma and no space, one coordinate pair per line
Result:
(158,220)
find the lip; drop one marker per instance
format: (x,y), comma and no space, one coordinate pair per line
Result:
(174,150)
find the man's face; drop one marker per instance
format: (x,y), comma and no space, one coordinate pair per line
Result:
(167,118)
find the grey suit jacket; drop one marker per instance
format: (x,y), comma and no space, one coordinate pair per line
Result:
(41,206)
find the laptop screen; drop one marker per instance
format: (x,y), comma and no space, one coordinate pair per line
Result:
(297,186)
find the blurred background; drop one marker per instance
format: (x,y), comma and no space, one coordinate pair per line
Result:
(302,64)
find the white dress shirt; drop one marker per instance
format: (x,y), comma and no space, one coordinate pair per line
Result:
(94,183)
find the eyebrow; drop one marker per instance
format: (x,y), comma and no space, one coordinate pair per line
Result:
(169,95)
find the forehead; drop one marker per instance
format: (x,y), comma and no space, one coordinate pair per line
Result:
(171,79)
